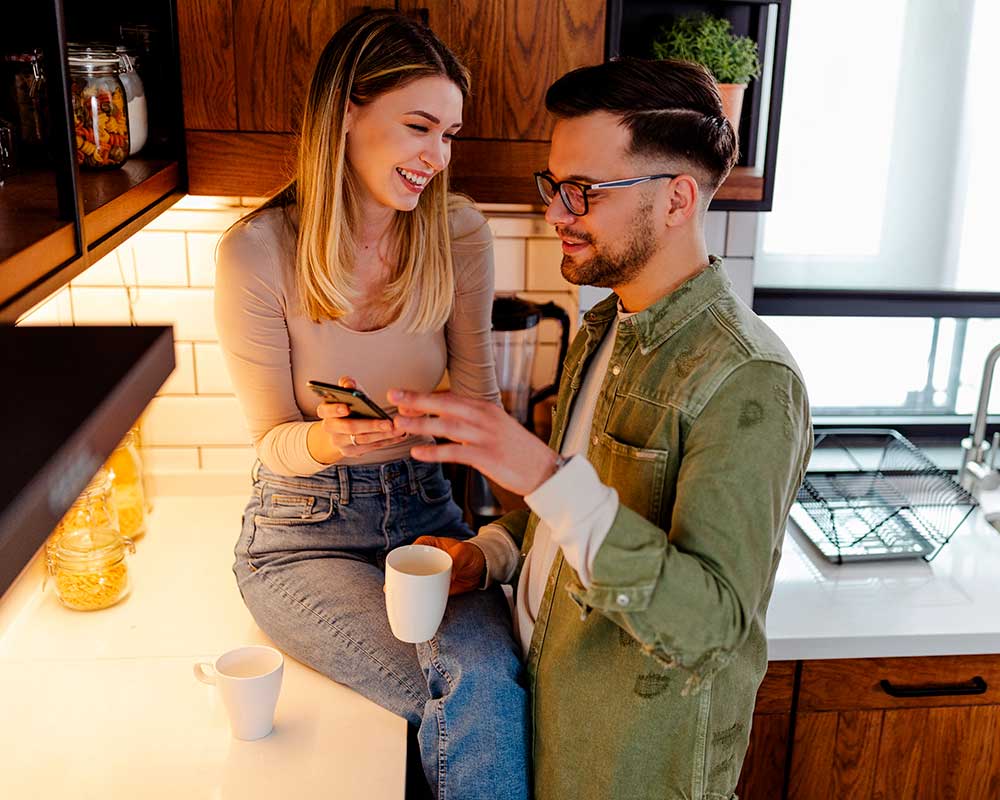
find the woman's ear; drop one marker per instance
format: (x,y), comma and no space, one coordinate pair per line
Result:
(349,117)
(685,196)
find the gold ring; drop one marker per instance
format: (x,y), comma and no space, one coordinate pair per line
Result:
(353,440)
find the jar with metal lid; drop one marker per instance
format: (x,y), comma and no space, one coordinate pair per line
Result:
(100,113)
(135,97)
(27,89)
(125,466)
(89,568)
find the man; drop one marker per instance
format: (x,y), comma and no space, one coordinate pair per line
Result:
(646,562)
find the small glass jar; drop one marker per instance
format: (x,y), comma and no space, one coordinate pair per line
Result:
(125,466)
(89,568)
(135,97)
(94,508)
(100,113)
(27,87)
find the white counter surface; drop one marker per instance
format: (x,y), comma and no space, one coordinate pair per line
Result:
(948,606)
(104,704)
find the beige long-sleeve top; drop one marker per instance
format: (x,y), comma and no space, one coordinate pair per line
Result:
(272,349)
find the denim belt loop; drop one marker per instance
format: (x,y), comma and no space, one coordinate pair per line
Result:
(255,471)
(411,475)
(344,479)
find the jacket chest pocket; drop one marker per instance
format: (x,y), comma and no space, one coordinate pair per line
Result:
(636,473)
(284,506)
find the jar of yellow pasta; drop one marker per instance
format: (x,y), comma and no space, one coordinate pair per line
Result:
(125,466)
(89,568)
(100,111)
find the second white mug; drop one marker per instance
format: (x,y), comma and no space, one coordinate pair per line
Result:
(417,578)
(249,680)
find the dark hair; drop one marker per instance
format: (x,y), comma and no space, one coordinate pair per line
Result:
(671,108)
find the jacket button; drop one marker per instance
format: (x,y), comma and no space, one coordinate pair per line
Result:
(616,370)
(622,599)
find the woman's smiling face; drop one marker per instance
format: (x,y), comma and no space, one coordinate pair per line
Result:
(397,143)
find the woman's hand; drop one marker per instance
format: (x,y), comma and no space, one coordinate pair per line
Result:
(468,564)
(352,437)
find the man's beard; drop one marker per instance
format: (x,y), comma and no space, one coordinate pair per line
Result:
(610,269)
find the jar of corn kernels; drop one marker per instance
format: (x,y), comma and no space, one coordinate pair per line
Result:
(89,568)
(125,466)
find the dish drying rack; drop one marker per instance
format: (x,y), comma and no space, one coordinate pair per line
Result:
(874,496)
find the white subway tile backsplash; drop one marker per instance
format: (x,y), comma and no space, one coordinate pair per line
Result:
(715,232)
(196,220)
(190,311)
(160,258)
(740,272)
(522,226)
(55,310)
(112,270)
(210,368)
(170,459)
(228,459)
(544,259)
(181,380)
(508,258)
(201,258)
(194,421)
(741,239)
(94,305)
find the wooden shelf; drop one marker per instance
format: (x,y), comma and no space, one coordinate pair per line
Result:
(40,250)
(77,391)
(113,197)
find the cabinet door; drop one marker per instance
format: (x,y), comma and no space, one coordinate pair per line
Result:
(763,774)
(932,731)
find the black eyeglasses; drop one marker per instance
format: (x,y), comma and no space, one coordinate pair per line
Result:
(574,194)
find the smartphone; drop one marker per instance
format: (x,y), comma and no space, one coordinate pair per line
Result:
(357,402)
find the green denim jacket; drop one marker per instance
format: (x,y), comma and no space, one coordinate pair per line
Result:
(643,685)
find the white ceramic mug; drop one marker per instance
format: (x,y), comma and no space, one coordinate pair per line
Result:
(417,577)
(249,680)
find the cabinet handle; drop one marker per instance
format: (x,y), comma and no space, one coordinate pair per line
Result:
(976,686)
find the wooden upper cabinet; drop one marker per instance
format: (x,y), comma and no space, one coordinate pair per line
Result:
(514,50)
(246,67)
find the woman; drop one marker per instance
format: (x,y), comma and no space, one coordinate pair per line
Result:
(365,269)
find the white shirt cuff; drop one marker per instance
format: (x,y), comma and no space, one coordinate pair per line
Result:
(500,551)
(578,510)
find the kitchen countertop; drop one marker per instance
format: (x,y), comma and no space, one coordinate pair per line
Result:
(104,704)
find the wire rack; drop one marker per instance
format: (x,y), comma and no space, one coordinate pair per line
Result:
(874,496)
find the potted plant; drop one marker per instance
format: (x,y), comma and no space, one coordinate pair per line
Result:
(708,40)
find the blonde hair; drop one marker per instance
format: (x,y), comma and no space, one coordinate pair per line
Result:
(372,54)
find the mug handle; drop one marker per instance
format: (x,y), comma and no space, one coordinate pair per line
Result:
(205,672)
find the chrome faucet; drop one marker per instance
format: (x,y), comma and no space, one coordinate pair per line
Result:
(975,472)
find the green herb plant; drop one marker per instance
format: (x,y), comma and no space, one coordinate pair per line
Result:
(707,40)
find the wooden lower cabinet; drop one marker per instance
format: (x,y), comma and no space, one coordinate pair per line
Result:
(763,772)
(908,728)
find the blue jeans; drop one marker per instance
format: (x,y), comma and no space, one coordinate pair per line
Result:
(310,565)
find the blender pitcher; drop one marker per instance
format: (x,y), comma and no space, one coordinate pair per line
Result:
(515,343)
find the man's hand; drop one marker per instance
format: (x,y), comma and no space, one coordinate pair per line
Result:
(468,563)
(484,437)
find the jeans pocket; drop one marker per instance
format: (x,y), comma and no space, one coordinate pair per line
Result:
(290,506)
(433,487)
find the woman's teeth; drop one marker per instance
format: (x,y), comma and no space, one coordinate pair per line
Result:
(416,180)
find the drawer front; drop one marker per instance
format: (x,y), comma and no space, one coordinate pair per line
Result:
(862,683)
(775,693)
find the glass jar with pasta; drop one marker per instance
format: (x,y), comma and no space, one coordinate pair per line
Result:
(93,508)
(125,466)
(89,568)
(100,113)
